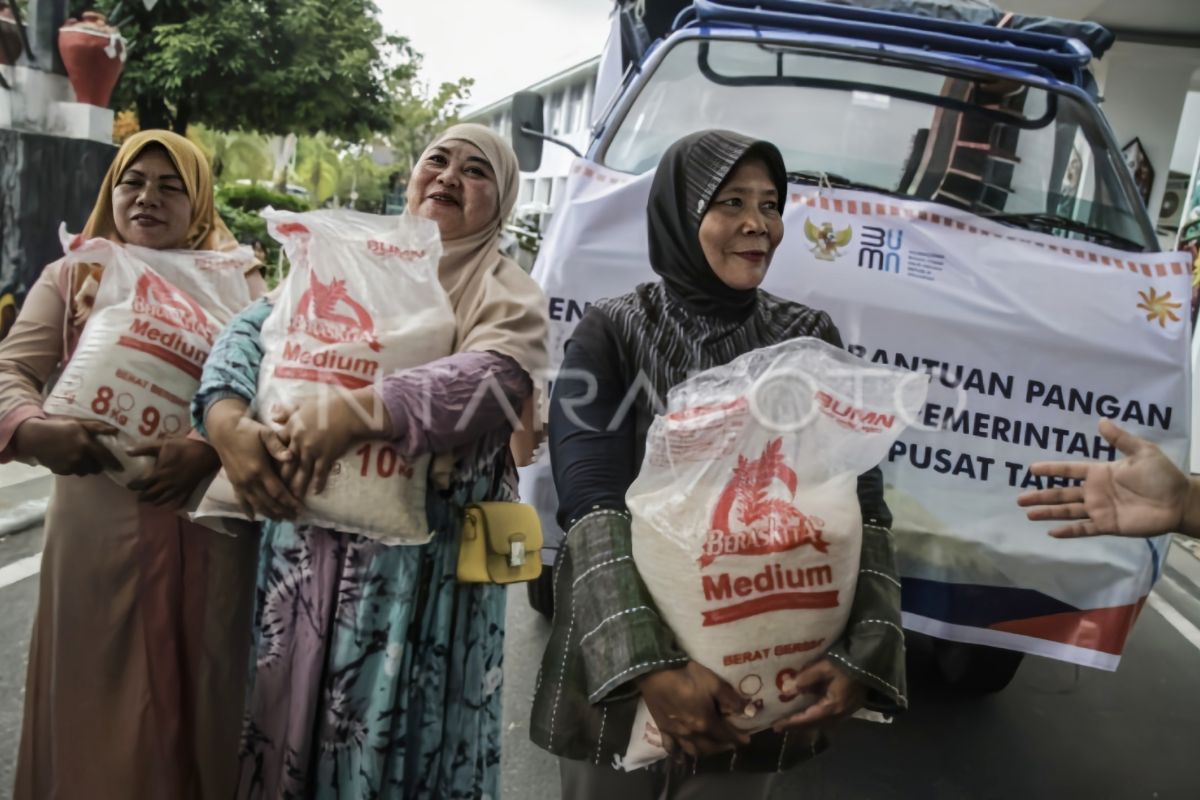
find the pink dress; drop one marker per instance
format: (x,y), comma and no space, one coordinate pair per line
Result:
(137,664)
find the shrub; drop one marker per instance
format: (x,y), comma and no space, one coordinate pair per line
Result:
(252,198)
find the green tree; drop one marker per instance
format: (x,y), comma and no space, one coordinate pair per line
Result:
(318,167)
(233,155)
(420,115)
(363,178)
(274,66)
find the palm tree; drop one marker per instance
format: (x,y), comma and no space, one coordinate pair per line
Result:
(318,167)
(234,155)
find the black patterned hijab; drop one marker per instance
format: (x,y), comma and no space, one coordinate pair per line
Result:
(689,175)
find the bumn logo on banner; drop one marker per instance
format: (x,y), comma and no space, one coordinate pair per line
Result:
(881,248)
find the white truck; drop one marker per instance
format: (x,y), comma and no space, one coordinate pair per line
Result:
(960,206)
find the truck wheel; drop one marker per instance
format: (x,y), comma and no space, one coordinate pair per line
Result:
(975,668)
(541,592)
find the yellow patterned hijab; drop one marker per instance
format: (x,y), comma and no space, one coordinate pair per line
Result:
(206,232)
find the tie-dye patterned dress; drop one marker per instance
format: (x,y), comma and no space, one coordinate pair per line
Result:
(375,673)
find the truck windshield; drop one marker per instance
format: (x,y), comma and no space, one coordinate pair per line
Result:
(993,146)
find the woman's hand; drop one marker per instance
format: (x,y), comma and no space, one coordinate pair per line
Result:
(1142,494)
(690,705)
(320,430)
(179,467)
(66,446)
(249,451)
(839,696)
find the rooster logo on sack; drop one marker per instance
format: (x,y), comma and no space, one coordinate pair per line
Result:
(750,521)
(826,241)
(328,313)
(157,298)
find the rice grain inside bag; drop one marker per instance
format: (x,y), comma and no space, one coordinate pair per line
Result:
(746,523)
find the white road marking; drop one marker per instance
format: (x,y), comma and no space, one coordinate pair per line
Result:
(20,570)
(1176,620)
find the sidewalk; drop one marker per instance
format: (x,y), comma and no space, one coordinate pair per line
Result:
(24,492)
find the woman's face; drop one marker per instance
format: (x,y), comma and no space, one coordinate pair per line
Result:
(150,202)
(743,226)
(455,186)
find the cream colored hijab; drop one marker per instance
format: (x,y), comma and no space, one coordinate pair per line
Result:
(497,306)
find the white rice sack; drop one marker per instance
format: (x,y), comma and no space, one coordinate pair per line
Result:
(361,302)
(139,358)
(746,522)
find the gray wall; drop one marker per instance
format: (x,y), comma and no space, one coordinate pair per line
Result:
(44,180)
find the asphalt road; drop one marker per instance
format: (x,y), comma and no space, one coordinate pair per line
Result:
(1057,732)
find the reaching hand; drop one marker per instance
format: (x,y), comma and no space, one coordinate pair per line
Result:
(839,696)
(179,467)
(690,705)
(1143,494)
(67,446)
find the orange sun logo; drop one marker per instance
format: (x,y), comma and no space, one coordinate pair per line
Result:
(1159,307)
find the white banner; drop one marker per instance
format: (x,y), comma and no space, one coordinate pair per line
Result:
(1030,339)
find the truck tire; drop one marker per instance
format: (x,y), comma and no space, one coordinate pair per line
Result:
(541,592)
(974,668)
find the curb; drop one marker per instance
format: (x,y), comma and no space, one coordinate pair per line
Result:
(29,514)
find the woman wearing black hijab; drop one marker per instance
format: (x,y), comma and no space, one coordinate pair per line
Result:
(715,220)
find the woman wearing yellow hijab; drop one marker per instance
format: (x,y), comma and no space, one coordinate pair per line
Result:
(136,666)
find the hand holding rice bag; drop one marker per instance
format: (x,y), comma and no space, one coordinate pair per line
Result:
(746,523)
(154,319)
(362,301)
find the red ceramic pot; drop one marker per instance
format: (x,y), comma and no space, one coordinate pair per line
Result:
(94,55)
(10,37)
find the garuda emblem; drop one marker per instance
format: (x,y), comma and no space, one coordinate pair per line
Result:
(826,241)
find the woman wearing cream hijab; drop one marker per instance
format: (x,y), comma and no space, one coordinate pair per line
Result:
(135,678)
(377,674)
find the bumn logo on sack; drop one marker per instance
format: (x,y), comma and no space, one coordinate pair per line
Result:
(155,297)
(328,313)
(749,521)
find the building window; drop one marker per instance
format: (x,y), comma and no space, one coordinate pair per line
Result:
(541,192)
(575,119)
(589,96)
(502,123)
(556,112)
(525,194)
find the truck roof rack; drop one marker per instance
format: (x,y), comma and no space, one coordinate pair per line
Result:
(1065,58)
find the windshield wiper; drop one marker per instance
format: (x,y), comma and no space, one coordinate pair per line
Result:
(1048,223)
(815,177)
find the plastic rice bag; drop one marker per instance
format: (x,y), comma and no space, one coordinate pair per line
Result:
(362,301)
(746,522)
(139,358)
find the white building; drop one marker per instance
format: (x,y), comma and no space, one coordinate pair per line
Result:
(568,103)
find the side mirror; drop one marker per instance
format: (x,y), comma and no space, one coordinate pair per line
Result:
(527,113)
